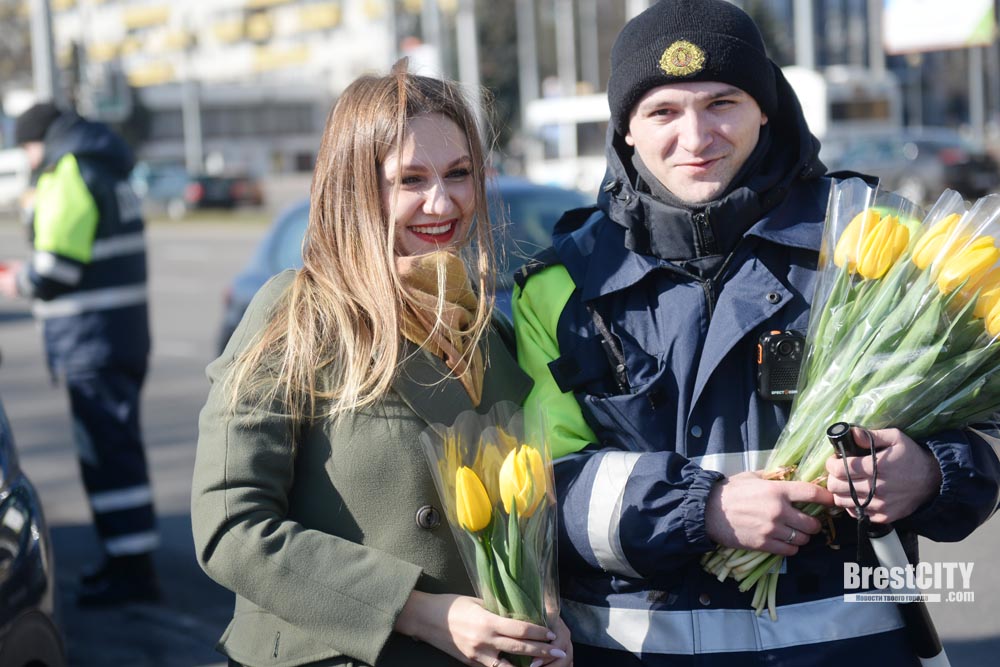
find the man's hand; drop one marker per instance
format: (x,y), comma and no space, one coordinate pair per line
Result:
(908,476)
(745,511)
(8,278)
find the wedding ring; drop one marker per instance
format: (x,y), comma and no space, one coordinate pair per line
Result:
(791,537)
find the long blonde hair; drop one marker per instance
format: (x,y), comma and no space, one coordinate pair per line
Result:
(342,314)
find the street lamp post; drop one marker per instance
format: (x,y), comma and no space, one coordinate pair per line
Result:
(467,43)
(977,95)
(566,64)
(43,61)
(590,44)
(876,51)
(805,45)
(527,66)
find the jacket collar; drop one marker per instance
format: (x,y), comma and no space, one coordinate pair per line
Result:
(424,386)
(598,256)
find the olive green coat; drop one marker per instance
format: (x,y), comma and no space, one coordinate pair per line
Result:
(323,548)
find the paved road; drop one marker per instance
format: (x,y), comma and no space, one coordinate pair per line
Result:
(190,265)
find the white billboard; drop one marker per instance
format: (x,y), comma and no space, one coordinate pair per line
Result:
(911,26)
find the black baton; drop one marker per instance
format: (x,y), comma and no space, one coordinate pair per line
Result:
(920,630)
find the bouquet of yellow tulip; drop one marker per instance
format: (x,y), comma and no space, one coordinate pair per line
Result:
(903,333)
(498,494)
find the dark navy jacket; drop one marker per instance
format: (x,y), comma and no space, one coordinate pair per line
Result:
(639,450)
(88,269)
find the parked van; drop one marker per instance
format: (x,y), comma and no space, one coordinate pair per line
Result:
(15,174)
(844,101)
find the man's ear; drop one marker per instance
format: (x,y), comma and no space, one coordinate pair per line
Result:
(629,140)
(763,119)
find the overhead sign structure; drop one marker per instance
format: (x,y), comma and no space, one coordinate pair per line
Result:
(913,26)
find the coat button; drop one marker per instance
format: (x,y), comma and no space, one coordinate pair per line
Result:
(428,517)
(704,599)
(773,297)
(696,431)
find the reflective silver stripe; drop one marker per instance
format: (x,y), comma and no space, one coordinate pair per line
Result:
(50,266)
(98,299)
(121,499)
(136,543)
(732,463)
(116,246)
(605,511)
(644,631)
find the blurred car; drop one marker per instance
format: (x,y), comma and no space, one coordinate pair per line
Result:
(28,634)
(530,210)
(223,191)
(171,189)
(919,164)
(161,188)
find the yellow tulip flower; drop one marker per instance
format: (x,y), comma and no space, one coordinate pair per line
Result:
(871,244)
(931,243)
(881,246)
(846,252)
(988,298)
(522,480)
(471,500)
(993,320)
(977,287)
(969,263)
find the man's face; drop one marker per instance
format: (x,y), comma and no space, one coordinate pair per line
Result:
(35,150)
(694,137)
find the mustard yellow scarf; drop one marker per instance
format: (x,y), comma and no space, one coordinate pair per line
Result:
(449,341)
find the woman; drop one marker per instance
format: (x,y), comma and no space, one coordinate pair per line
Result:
(312,498)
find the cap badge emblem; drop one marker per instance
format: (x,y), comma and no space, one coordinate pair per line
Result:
(682,58)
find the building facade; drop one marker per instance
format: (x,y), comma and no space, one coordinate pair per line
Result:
(254,80)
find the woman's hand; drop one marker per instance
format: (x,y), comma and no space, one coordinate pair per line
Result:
(461,627)
(563,643)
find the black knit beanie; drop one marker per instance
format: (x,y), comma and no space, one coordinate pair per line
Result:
(35,122)
(676,41)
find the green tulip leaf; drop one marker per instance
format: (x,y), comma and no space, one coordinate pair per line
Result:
(514,543)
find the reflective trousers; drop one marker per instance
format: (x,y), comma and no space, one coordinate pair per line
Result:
(105,410)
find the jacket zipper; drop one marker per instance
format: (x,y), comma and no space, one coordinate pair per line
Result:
(700,224)
(707,286)
(709,289)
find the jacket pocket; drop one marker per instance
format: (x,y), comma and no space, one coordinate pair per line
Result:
(259,639)
(639,420)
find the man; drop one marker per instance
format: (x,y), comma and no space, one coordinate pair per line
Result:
(640,328)
(87,276)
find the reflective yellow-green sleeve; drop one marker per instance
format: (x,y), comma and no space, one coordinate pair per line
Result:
(65,212)
(536,313)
